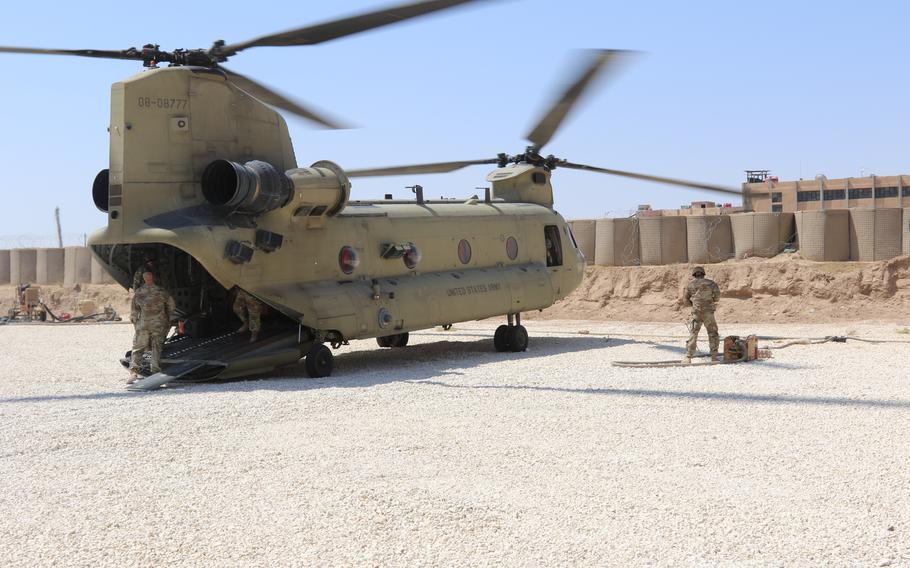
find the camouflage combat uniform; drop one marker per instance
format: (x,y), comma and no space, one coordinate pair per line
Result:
(702,294)
(151,311)
(248,309)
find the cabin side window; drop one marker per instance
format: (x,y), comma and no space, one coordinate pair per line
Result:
(553,244)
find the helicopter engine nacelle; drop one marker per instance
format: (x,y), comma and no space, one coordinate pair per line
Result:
(257,187)
(253,188)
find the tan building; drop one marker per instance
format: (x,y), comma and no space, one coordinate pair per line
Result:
(696,208)
(767,194)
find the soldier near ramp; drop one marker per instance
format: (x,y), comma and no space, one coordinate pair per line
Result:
(702,294)
(151,311)
(150,263)
(249,310)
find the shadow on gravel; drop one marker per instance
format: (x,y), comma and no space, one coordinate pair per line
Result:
(370,367)
(695,395)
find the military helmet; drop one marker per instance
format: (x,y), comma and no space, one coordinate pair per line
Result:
(698,271)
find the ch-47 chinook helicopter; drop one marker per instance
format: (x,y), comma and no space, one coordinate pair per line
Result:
(203,173)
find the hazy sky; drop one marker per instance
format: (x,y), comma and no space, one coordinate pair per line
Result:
(800,88)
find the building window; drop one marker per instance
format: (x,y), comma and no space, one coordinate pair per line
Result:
(906,191)
(807,195)
(776,197)
(861,193)
(832,194)
(889,191)
(777,208)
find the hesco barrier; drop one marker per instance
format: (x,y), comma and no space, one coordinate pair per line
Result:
(99,274)
(823,235)
(4,267)
(709,238)
(77,265)
(617,242)
(663,240)
(23,264)
(49,266)
(585,235)
(875,234)
(761,234)
(905,238)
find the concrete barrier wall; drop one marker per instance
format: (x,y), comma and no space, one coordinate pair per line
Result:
(49,269)
(617,242)
(663,240)
(875,234)
(4,267)
(905,234)
(709,238)
(823,235)
(23,264)
(100,275)
(585,234)
(77,265)
(761,234)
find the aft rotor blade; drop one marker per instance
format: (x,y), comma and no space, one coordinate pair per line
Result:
(656,179)
(319,33)
(437,168)
(273,98)
(546,128)
(131,53)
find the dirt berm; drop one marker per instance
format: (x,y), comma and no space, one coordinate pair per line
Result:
(782,289)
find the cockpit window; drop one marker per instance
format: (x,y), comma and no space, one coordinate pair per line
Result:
(553,244)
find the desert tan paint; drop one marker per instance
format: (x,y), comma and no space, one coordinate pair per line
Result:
(167,125)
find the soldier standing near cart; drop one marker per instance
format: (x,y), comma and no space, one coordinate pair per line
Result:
(152,311)
(702,294)
(249,310)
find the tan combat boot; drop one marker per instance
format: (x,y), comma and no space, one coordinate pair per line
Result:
(687,359)
(242,328)
(134,376)
(254,336)
(714,356)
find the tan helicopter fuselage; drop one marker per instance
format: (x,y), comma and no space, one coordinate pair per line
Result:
(478,258)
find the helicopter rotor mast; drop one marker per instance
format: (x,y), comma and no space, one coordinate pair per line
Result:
(150,55)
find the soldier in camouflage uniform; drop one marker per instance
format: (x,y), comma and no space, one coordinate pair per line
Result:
(702,294)
(150,263)
(151,311)
(248,309)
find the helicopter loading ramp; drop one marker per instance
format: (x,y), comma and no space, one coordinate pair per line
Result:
(186,360)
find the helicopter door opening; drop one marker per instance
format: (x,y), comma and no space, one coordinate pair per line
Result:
(554,245)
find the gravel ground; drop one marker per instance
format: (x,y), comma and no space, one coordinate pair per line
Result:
(449,453)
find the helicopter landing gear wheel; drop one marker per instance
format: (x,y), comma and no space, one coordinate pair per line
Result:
(397,340)
(518,338)
(319,361)
(501,338)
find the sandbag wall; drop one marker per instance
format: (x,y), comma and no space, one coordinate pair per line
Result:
(584,232)
(709,238)
(49,266)
(77,265)
(875,234)
(617,242)
(823,235)
(23,264)
(905,235)
(662,240)
(761,234)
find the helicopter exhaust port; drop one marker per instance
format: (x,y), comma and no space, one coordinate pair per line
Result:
(253,188)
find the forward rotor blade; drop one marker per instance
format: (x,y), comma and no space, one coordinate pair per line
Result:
(273,98)
(437,168)
(656,179)
(546,128)
(131,53)
(319,33)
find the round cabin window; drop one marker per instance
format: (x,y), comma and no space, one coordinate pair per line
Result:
(348,259)
(464,251)
(512,248)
